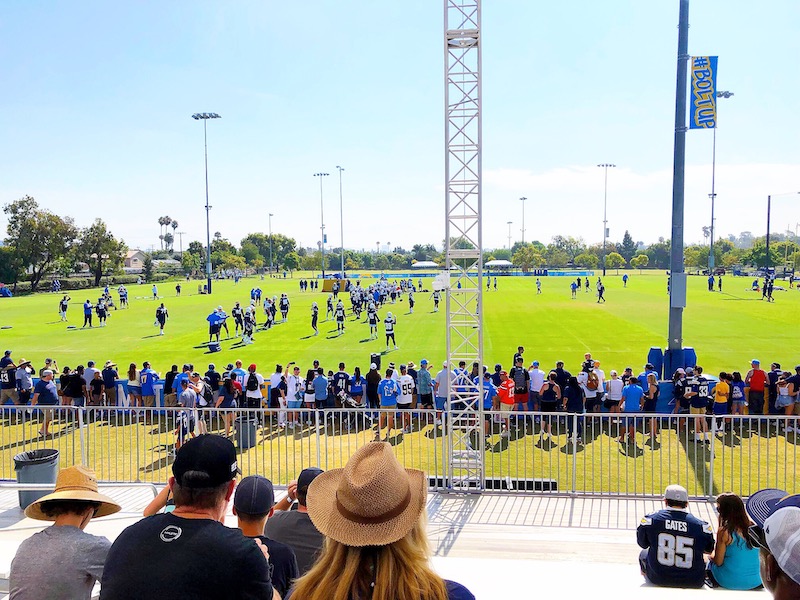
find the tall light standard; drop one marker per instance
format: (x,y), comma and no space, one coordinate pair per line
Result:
(270,243)
(769,207)
(523,217)
(605,166)
(180,238)
(205,117)
(713,195)
(322,221)
(341,216)
(509,234)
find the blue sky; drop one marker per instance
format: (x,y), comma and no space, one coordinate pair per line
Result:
(98,97)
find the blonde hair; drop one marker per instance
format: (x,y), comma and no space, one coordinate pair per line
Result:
(400,571)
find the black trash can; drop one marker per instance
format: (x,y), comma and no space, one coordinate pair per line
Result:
(375,358)
(36,466)
(246,432)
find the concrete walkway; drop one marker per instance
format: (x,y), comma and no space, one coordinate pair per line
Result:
(523,546)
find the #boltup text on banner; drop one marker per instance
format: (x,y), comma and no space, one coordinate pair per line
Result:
(703,114)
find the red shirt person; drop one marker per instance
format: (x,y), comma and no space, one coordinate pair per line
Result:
(505,391)
(756,380)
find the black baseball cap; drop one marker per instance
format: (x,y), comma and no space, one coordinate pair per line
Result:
(211,454)
(254,495)
(307,476)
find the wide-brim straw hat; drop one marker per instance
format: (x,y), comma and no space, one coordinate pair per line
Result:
(74,483)
(372,501)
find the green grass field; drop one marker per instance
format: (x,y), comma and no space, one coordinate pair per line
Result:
(726,329)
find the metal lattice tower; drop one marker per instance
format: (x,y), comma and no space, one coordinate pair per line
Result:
(463,240)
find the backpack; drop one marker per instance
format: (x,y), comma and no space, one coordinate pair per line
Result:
(592,381)
(208,395)
(252,382)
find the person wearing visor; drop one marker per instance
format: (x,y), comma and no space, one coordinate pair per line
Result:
(776,532)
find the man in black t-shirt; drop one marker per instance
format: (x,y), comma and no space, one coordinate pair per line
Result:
(213,379)
(189,553)
(562,375)
(253,505)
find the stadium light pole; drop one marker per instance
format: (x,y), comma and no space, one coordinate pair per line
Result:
(204,117)
(523,217)
(769,207)
(341,216)
(322,222)
(605,166)
(180,240)
(270,243)
(713,195)
(509,223)
(674,356)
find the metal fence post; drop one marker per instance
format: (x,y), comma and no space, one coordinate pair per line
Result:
(574,441)
(710,489)
(82,437)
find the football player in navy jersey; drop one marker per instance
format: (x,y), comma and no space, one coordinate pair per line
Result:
(674,542)
(238,319)
(314,317)
(329,307)
(372,317)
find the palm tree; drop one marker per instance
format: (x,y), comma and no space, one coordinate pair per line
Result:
(164,222)
(161,224)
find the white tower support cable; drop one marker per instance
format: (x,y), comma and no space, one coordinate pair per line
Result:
(463,241)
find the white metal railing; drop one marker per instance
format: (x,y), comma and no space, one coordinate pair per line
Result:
(32,487)
(524,451)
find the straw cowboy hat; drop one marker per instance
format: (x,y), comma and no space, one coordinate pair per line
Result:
(74,483)
(373,501)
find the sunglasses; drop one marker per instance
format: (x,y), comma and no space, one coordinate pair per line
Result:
(757,537)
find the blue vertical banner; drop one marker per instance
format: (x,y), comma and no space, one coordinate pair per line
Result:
(703,114)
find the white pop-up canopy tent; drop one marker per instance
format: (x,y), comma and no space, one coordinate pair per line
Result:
(424,264)
(499,263)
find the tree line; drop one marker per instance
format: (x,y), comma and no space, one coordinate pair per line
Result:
(40,244)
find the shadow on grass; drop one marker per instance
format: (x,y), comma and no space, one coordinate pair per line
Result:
(160,463)
(68,429)
(631,450)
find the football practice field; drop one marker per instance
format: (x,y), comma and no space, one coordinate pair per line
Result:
(726,329)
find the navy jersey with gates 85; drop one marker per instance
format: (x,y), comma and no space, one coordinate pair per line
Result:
(675,541)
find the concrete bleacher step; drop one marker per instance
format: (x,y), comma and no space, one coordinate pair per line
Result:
(521,545)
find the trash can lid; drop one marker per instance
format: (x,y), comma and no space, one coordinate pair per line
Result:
(35,457)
